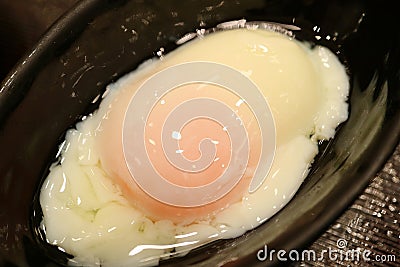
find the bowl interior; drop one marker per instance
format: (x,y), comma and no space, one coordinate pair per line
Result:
(99,41)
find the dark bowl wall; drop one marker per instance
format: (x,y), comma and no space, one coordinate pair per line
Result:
(94,44)
(22,24)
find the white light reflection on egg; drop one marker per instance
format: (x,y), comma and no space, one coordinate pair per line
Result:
(112,219)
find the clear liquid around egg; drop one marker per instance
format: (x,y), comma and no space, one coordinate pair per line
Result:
(87,212)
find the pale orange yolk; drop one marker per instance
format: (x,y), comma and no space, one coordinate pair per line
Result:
(191,134)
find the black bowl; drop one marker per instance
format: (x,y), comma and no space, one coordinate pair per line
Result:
(93,44)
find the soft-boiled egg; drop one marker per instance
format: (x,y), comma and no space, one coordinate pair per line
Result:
(206,143)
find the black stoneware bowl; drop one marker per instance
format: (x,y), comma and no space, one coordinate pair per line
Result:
(55,84)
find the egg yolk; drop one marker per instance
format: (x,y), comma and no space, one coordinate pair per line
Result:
(191,135)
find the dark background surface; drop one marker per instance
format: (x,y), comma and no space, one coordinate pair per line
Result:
(371,222)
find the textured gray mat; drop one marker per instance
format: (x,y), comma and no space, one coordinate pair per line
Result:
(371,224)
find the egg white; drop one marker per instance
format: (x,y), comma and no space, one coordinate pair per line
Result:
(86,214)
